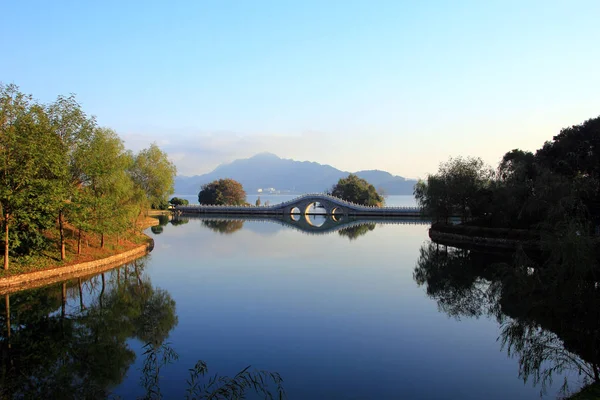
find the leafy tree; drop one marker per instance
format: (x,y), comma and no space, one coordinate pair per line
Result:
(357,190)
(222,192)
(30,166)
(105,182)
(460,187)
(74,129)
(257,203)
(154,174)
(176,201)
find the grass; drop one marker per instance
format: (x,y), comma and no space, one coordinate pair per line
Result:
(90,249)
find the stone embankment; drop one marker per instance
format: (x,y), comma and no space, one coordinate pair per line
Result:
(36,279)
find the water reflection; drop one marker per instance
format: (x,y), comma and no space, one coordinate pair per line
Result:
(350,227)
(354,232)
(223,226)
(70,340)
(548,304)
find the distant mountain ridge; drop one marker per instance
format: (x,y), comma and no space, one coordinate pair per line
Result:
(266,170)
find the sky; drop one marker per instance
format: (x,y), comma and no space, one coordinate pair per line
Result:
(392,85)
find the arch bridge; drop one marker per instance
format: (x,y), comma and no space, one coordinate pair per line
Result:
(305,205)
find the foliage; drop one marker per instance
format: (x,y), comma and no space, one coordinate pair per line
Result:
(459,188)
(57,165)
(155,174)
(357,190)
(176,201)
(31,164)
(222,192)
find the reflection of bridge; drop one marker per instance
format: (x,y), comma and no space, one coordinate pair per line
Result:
(305,225)
(302,205)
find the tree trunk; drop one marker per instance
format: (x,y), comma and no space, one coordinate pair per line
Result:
(62,235)
(6,216)
(79,242)
(102,240)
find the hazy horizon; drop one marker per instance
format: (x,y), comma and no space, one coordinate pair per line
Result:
(358,85)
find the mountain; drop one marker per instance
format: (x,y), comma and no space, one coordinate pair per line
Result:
(266,170)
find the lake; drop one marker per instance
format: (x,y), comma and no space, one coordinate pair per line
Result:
(357,313)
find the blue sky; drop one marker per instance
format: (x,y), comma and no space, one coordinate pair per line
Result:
(394,85)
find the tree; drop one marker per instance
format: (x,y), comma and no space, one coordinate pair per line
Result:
(222,192)
(106,186)
(176,201)
(74,129)
(457,188)
(357,190)
(154,174)
(257,203)
(30,166)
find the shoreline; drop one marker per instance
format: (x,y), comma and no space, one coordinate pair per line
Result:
(35,279)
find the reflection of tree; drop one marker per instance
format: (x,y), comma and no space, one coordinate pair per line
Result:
(177,220)
(162,219)
(224,226)
(453,279)
(548,305)
(83,354)
(354,232)
(157,229)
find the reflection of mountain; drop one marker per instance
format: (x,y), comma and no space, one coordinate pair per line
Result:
(548,306)
(59,343)
(269,171)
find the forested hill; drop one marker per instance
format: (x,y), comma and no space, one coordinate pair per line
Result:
(267,170)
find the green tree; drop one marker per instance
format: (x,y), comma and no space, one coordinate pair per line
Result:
(357,190)
(106,185)
(154,174)
(30,167)
(460,187)
(74,128)
(222,192)
(176,201)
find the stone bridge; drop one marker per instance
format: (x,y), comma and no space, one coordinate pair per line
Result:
(305,205)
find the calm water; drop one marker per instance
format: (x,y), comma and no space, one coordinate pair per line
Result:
(339,315)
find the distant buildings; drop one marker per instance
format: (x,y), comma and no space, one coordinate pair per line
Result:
(268,191)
